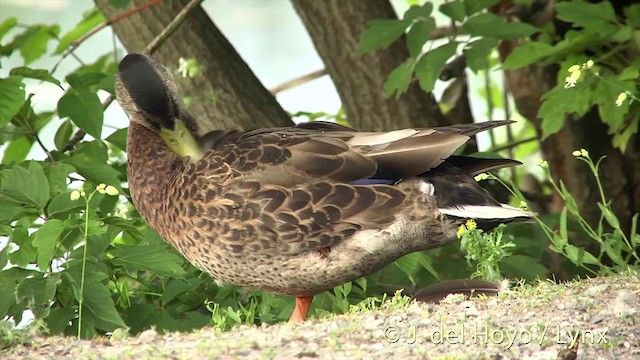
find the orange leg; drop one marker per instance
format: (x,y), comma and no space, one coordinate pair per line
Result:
(303,303)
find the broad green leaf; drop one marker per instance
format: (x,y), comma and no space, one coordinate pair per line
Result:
(26,254)
(154,258)
(10,279)
(26,185)
(59,319)
(119,139)
(399,79)
(33,41)
(142,316)
(18,149)
(63,203)
(633,16)
(39,74)
(12,94)
(85,110)
(39,292)
(90,20)
(95,171)
(63,134)
(381,33)
(474,6)
(419,12)
(477,53)
(430,65)
(7,25)
(83,80)
(558,103)
(58,174)
(418,36)
(45,241)
(97,299)
(584,13)
(454,9)
(621,139)
(527,53)
(487,24)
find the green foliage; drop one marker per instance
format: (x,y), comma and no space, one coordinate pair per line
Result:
(486,250)
(481,31)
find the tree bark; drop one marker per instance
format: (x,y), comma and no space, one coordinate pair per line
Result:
(226,94)
(335,26)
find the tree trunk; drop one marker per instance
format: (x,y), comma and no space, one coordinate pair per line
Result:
(335,27)
(226,94)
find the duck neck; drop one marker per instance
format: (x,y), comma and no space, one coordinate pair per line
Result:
(151,171)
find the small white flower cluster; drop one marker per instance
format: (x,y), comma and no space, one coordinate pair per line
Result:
(575,72)
(622,97)
(581,152)
(542,163)
(102,189)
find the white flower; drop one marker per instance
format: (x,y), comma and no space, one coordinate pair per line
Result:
(588,64)
(100,188)
(75,195)
(574,75)
(621,98)
(183,67)
(111,190)
(482,176)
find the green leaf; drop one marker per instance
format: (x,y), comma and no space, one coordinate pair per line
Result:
(632,13)
(454,9)
(611,218)
(12,94)
(474,6)
(487,24)
(416,12)
(430,65)
(559,102)
(563,225)
(97,299)
(381,33)
(477,53)
(528,53)
(39,292)
(584,13)
(119,139)
(399,79)
(90,20)
(142,316)
(85,110)
(10,279)
(418,36)
(7,25)
(63,203)
(58,174)
(26,254)
(33,41)
(63,134)
(45,241)
(154,258)
(523,266)
(39,74)
(95,170)
(27,186)
(83,80)
(18,149)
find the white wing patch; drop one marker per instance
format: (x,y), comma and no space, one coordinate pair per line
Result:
(486,212)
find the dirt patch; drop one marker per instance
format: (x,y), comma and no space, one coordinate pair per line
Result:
(601,315)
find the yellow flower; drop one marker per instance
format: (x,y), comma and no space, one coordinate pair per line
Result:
(542,163)
(471,224)
(482,176)
(523,204)
(100,188)
(461,231)
(75,195)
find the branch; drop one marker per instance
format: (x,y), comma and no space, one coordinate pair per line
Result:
(298,81)
(150,49)
(74,45)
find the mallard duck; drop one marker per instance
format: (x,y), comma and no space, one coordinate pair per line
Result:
(296,210)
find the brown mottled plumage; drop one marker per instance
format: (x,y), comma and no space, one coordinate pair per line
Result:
(295,210)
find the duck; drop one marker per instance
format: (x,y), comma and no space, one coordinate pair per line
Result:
(296,210)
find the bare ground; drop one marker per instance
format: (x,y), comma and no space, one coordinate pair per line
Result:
(546,321)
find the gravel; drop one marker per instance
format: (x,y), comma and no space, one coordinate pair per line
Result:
(592,319)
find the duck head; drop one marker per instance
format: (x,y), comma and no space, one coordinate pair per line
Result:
(146,90)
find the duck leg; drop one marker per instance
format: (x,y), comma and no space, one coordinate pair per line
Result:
(303,303)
